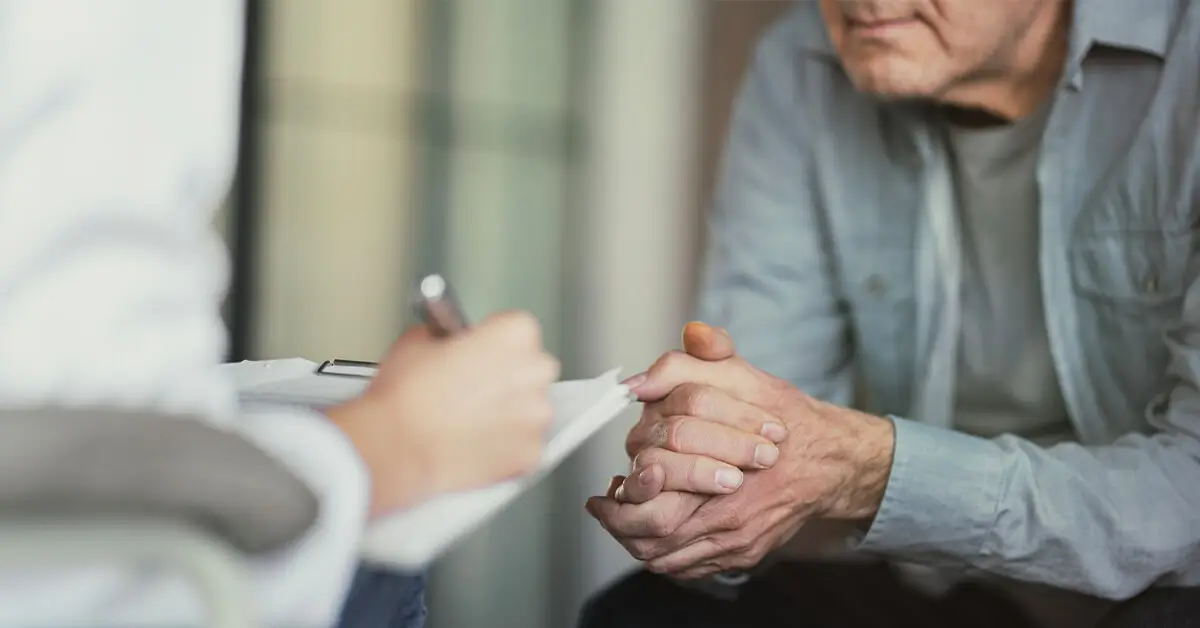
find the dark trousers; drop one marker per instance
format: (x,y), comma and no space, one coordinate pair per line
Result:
(848,595)
(381,598)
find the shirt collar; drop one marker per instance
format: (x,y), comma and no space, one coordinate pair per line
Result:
(809,30)
(1138,25)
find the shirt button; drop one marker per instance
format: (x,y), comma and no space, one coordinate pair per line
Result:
(875,285)
(1151,285)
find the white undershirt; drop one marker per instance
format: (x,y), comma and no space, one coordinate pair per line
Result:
(1006,382)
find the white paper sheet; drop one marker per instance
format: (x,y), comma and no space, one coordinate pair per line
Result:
(415,537)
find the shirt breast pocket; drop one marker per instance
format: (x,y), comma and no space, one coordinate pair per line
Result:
(1132,269)
(1130,288)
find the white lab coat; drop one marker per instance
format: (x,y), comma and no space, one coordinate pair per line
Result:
(118,125)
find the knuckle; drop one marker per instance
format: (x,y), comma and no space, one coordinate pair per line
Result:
(638,462)
(522,327)
(696,398)
(654,432)
(726,542)
(660,523)
(729,519)
(674,434)
(670,361)
(633,443)
(640,549)
(691,469)
(741,544)
(646,457)
(757,551)
(642,434)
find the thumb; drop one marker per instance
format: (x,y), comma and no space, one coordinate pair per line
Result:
(707,343)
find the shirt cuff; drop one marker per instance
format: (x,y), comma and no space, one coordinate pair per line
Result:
(306,583)
(941,498)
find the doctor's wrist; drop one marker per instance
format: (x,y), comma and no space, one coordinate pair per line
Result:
(392,461)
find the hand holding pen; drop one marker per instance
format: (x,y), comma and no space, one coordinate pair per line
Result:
(447,416)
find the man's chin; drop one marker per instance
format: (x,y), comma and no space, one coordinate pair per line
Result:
(891,91)
(891,83)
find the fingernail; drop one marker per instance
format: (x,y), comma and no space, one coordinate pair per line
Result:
(636,380)
(729,478)
(774,432)
(766,455)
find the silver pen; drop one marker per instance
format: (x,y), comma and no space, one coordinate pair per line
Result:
(437,306)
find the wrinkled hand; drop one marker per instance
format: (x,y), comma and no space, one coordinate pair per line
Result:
(698,437)
(833,465)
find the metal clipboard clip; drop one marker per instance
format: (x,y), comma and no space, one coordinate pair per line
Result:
(348,368)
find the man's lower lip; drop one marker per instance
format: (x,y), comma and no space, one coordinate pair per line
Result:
(881,27)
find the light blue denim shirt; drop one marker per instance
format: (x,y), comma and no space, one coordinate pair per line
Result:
(830,209)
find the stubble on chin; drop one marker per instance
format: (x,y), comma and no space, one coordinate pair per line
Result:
(891,80)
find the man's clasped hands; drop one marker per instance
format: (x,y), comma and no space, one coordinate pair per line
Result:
(728,462)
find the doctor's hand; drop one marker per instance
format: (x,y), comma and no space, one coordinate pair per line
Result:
(451,414)
(833,465)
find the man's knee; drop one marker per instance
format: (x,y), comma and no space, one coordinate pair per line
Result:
(1159,607)
(627,602)
(646,600)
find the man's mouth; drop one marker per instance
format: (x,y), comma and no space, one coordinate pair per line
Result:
(880,27)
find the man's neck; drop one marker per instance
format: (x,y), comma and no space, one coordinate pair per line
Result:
(1029,74)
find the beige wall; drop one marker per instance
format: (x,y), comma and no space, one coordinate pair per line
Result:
(335,128)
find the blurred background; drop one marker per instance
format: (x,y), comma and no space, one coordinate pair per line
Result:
(550,155)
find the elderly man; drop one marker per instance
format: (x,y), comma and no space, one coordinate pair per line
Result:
(977,219)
